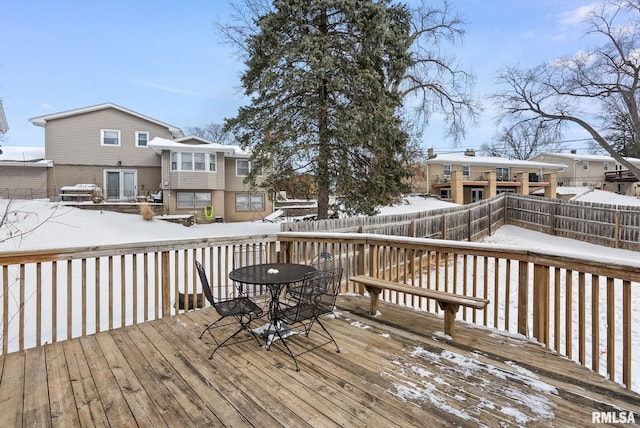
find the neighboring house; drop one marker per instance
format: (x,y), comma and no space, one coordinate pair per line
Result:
(197,174)
(110,147)
(469,178)
(23,172)
(105,145)
(597,171)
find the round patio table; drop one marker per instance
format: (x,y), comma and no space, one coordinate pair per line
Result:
(274,276)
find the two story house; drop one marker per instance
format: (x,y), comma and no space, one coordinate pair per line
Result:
(197,173)
(597,171)
(111,147)
(469,178)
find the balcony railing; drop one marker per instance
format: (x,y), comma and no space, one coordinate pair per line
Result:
(620,176)
(584,309)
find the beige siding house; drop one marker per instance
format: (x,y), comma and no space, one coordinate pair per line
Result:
(469,178)
(105,145)
(23,173)
(600,172)
(132,157)
(207,179)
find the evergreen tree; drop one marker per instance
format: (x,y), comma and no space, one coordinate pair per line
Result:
(318,75)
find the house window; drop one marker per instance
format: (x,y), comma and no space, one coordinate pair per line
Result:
(110,137)
(199,163)
(248,202)
(446,170)
(465,170)
(193,161)
(243,167)
(186,161)
(585,165)
(605,166)
(502,174)
(193,199)
(445,193)
(142,138)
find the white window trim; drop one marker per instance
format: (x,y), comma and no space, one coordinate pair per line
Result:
(138,133)
(102,132)
(249,168)
(251,196)
(444,170)
(194,200)
(209,156)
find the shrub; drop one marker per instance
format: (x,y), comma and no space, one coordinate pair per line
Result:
(146,212)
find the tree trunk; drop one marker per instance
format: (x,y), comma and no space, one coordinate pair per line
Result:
(324,150)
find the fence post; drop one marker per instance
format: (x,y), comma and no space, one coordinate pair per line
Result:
(617,229)
(444,226)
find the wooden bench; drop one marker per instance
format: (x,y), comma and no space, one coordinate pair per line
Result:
(448,302)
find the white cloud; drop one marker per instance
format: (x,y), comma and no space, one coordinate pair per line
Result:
(577,16)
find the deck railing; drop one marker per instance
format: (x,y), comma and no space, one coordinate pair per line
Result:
(48,296)
(587,310)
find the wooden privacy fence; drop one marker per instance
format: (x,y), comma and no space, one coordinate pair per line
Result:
(464,222)
(613,226)
(603,224)
(584,309)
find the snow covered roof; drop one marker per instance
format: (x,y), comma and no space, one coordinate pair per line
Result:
(23,156)
(42,120)
(491,161)
(586,157)
(159,144)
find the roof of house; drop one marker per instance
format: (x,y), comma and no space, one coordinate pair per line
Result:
(585,157)
(42,120)
(23,156)
(158,144)
(490,161)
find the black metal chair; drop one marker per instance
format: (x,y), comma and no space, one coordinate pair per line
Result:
(322,262)
(242,309)
(315,297)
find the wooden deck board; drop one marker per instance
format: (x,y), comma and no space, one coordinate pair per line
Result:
(395,369)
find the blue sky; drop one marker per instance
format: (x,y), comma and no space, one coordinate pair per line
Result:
(165,60)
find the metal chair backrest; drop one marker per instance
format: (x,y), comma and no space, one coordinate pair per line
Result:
(205,284)
(322,262)
(327,300)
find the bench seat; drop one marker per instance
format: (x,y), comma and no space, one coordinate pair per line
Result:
(448,302)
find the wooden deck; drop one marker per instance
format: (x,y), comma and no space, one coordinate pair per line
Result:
(393,370)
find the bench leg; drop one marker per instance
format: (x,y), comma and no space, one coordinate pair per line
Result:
(374,294)
(450,310)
